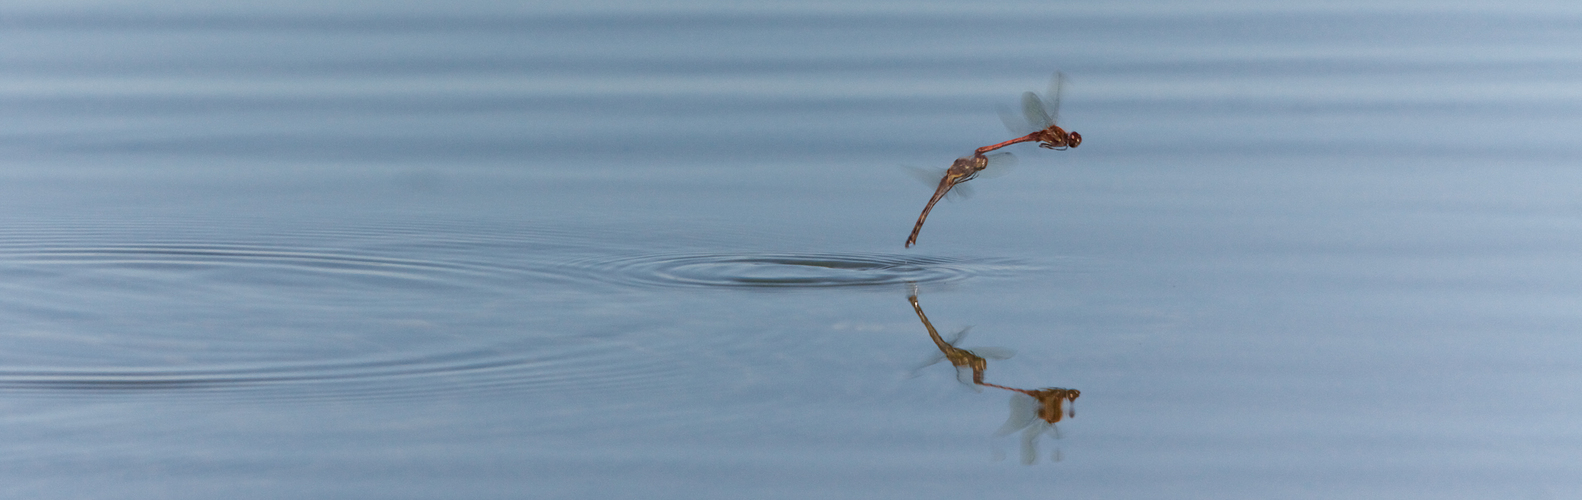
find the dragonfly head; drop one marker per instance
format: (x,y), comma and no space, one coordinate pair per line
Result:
(1074,140)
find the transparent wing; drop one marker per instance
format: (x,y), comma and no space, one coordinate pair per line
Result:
(1033,108)
(956,338)
(993,352)
(964,375)
(999,165)
(1030,443)
(1023,410)
(930,177)
(960,191)
(1057,85)
(931,361)
(1016,125)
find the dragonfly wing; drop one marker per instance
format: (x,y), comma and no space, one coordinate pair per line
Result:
(999,165)
(959,336)
(964,375)
(1030,443)
(1016,125)
(931,361)
(1057,84)
(1033,108)
(993,352)
(960,192)
(1023,411)
(928,176)
(931,176)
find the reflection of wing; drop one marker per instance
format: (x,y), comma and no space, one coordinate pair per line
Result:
(965,376)
(993,352)
(1033,108)
(932,360)
(959,336)
(1023,410)
(1030,442)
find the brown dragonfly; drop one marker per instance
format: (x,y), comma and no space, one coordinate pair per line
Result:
(1035,413)
(970,363)
(964,169)
(1041,114)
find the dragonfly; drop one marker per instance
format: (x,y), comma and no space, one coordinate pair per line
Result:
(1035,413)
(970,363)
(1049,402)
(962,170)
(1041,114)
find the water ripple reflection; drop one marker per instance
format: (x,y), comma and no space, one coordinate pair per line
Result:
(299,319)
(518,368)
(791,270)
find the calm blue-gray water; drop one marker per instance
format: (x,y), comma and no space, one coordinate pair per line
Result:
(632,250)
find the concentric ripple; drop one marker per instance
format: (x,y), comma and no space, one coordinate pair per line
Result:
(354,315)
(537,367)
(792,270)
(298,320)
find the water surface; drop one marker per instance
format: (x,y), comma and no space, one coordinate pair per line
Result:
(606,250)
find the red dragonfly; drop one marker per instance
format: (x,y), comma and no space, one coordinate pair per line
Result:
(1041,114)
(1035,413)
(963,170)
(970,363)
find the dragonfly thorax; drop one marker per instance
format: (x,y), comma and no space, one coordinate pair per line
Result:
(1057,138)
(969,166)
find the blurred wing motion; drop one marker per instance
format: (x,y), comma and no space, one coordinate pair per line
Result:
(968,377)
(1041,116)
(1023,410)
(1030,441)
(962,170)
(1033,109)
(993,352)
(1057,85)
(1044,112)
(940,356)
(999,165)
(960,335)
(931,361)
(1016,125)
(931,176)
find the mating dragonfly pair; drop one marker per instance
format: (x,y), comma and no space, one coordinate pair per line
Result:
(1034,412)
(1041,114)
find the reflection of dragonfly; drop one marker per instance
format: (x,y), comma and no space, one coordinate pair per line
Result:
(969,364)
(1042,114)
(1036,413)
(963,170)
